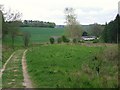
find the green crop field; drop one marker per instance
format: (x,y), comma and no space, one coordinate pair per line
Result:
(37,35)
(71,66)
(42,34)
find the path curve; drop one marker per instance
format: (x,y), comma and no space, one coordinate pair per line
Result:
(27,81)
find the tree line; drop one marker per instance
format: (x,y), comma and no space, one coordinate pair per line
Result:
(36,23)
(111,31)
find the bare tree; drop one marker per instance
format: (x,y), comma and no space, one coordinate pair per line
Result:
(1,8)
(10,15)
(26,38)
(97,29)
(73,26)
(11,23)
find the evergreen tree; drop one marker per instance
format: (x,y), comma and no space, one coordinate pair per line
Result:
(111,31)
(104,34)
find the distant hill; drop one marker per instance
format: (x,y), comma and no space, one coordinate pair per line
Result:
(84,27)
(89,27)
(59,26)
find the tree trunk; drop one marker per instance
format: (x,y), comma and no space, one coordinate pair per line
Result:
(13,41)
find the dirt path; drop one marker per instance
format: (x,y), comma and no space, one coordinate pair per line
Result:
(27,81)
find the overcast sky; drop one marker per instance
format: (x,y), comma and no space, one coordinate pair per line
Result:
(88,11)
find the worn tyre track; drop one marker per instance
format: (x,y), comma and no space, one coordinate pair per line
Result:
(12,76)
(14,72)
(27,81)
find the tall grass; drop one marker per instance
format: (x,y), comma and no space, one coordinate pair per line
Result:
(71,66)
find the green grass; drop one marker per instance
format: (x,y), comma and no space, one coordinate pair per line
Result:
(70,66)
(13,76)
(39,34)
(0,61)
(0,53)
(18,41)
(6,54)
(61,65)
(7,51)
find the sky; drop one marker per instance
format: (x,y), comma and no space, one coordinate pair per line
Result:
(87,11)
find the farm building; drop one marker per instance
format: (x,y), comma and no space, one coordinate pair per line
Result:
(88,37)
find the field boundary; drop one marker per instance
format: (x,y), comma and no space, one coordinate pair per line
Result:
(4,66)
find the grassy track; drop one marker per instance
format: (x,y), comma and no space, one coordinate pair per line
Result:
(69,66)
(12,76)
(6,55)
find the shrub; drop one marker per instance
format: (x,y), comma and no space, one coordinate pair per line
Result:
(59,40)
(81,41)
(52,40)
(65,39)
(74,40)
(95,41)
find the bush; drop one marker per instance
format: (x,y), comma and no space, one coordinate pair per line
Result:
(65,39)
(95,41)
(74,40)
(52,41)
(81,41)
(59,40)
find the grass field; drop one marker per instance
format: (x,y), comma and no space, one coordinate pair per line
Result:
(38,35)
(61,65)
(71,66)
(43,34)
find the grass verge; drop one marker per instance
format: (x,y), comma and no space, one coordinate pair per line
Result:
(70,66)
